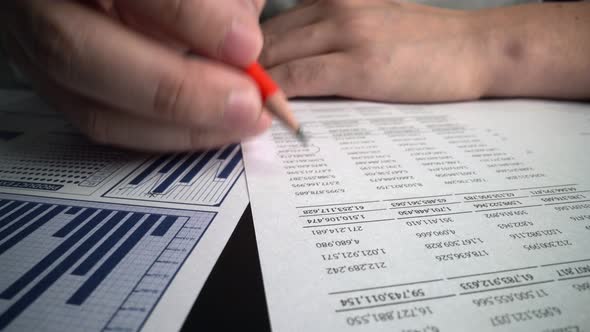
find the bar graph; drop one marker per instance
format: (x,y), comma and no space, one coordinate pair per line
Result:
(202,178)
(81,266)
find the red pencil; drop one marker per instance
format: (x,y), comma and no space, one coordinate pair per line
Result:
(274,99)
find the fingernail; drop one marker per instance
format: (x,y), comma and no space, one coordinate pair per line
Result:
(242,109)
(240,43)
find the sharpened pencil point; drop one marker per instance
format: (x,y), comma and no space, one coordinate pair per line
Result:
(275,100)
(301,136)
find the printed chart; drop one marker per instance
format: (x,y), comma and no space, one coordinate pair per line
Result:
(88,266)
(42,154)
(202,178)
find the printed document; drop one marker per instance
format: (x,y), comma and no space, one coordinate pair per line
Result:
(94,238)
(455,217)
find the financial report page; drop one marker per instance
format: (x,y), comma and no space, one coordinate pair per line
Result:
(447,217)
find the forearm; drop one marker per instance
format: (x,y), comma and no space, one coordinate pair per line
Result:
(540,50)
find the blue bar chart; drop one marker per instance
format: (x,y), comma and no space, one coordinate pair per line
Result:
(202,178)
(80,266)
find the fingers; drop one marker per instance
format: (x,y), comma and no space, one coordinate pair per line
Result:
(226,30)
(106,125)
(146,28)
(100,59)
(322,75)
(297,43)
(303,14)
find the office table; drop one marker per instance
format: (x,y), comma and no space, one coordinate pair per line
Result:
(233,299)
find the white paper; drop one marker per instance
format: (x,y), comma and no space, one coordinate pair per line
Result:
(456,217)
(153,285)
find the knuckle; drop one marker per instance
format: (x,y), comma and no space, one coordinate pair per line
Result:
(298,74)
(168,99)
(356,28)
(266,56)
(365,73)
(316,32)
(291,74)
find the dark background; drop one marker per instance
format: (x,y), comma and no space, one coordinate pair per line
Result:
(233,299)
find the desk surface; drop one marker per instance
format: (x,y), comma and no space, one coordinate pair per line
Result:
(233,299)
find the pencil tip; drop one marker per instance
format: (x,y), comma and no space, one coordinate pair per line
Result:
(301,136)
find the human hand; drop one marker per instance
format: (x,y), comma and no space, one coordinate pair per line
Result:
(380,50)
(119,70)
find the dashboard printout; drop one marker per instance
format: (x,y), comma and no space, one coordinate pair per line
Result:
(100,239)
(456,217)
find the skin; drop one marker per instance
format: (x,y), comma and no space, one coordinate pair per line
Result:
(119,68)
(395,51)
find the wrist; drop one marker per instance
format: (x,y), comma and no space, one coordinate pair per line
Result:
(469,69)
(483,41)
(516,59)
